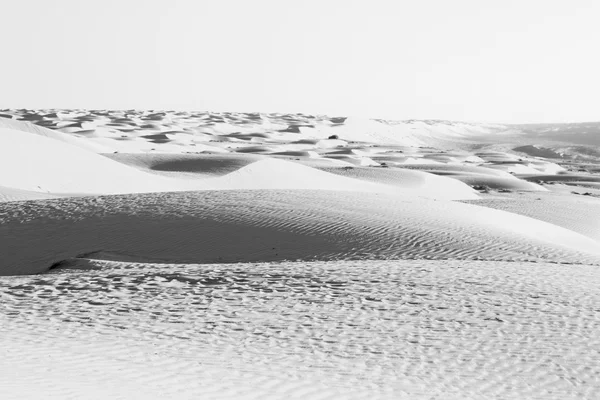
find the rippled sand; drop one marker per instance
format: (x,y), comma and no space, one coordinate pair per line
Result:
(351,330)
(432,259)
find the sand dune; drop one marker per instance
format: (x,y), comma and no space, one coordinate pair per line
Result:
(42,164)
(365,142)
(409,181)
(45,165)
(49,133)
(50,165)
(245,127)
(576,213)
(277,174)
(270,225)
(206,166)
(563,178)
(478,176)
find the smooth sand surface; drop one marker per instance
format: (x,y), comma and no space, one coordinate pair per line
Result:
(575,212)
(162,254)
(12,194)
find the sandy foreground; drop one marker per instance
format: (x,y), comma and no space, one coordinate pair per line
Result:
(225,256)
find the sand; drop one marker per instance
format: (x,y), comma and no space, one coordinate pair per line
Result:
(157,254)
(276,225)
(343,330)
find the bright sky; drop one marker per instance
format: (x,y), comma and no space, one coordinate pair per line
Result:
(473,60)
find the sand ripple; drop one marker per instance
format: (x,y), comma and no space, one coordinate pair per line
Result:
(274,225)
(382,330)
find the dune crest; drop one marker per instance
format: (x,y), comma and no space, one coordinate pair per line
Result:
(275,225)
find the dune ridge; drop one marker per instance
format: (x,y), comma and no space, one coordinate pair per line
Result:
(275,225)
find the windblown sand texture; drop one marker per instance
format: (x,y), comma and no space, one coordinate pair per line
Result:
(158,254)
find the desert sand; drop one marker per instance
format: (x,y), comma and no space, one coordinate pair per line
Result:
(162,254)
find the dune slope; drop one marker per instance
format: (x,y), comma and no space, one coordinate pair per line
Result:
(45,164)
(271,225)
(574,212)
(31,128)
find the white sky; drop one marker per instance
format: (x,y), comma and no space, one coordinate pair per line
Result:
(473,60)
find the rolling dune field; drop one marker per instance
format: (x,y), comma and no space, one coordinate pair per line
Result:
(187,255)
